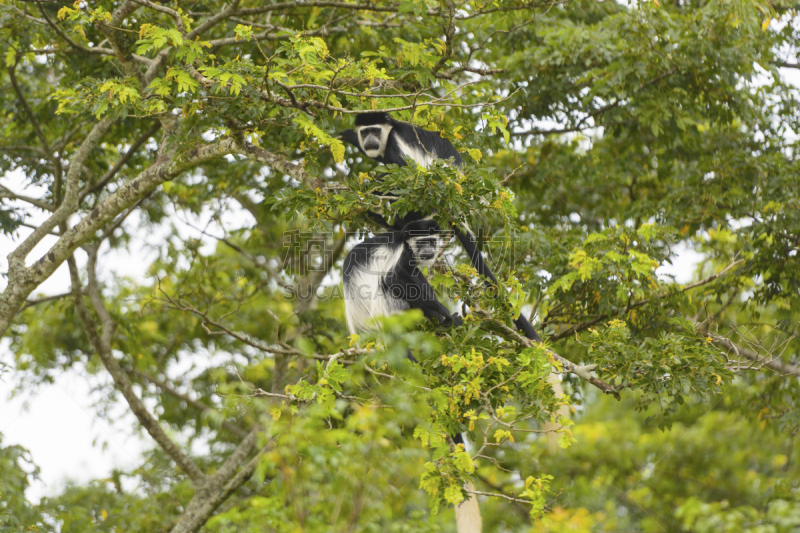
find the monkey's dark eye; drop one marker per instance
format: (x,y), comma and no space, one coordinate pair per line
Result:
(366,132)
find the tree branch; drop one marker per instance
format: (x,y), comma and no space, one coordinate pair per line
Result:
(639,303)
(197,404)
(785,369)
(786,64)
(44,299)
(29,112)
(5,192)
(120,162)
(234,460)
(567,366)
(119,43)
(16,259)
(210,491)
(203,504)
(378,8)
(22,281)
(213,21)
(102,345)
(68,39)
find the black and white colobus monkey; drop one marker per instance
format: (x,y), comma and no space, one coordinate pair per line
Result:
(386,140)
(382,276)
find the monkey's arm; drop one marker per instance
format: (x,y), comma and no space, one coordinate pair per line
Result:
(352,137)
(418,294)
(467,240)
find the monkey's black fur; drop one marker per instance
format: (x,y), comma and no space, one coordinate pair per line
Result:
(422,146)
(401,132)
(382,275)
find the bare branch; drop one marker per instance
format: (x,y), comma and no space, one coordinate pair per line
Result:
(446,100)
(118,42)
(163,9)
(785,369)
(109,175)
(69,205)
(5,192)
(31,303)
(213,21)
(498,495)
(25,15)
(29,112)
(67,38)
(786,64)
(234,460)
(246,339)
(79,47)
(379,8)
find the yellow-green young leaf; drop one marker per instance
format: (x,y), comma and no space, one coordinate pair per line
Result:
(109,85)
(500,435)
(337,150)
(175,36)
(161,86)
(647,231)
(236,84)
(101,109)
(475,154)
(10,56)
(127,94)
(453,494)
(320,46)
(156,106)
(334,101)
(595,237)
(463,461)
(423,435)
(243,32)
(184,80)
(516,297)
(64,12)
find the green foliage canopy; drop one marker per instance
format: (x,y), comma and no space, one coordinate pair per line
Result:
(602,139)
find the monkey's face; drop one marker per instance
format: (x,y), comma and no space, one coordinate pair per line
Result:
(373,139)
(425,249)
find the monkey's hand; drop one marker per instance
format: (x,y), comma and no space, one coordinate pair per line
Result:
(452,320)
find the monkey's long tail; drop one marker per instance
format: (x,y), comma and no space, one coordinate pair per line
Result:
(468,515)
(563,411)
(467,240)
